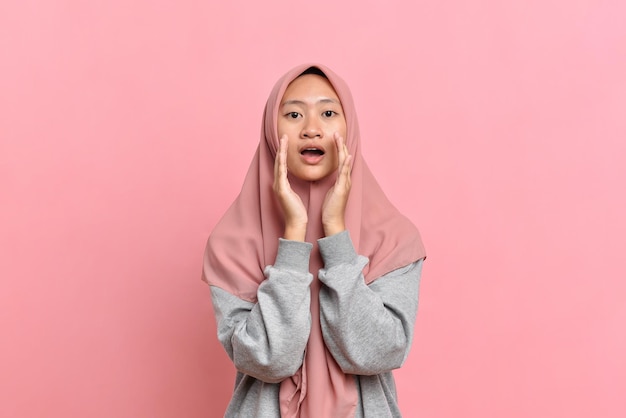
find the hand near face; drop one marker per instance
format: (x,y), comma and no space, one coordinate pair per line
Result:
(334,207)
(293,209)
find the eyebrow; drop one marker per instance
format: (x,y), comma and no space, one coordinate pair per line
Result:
(300,102)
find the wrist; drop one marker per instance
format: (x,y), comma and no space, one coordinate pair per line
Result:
(295,232)
(334,228)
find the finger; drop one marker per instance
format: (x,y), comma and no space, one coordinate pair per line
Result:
(348,155)
(349,164)
(277,161)
(344,145)
(283,168)
(341,149)
(280,163)
(346,170)
(343,182)
(285,149)
(283,156)
(345,156)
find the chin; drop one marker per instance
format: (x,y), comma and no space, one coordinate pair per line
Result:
(310,178)
(315,176)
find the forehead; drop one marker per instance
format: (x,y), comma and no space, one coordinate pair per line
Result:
(309,86)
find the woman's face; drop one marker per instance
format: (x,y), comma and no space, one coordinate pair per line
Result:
(309,114)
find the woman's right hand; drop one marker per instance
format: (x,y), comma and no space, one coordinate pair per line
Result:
(293,209)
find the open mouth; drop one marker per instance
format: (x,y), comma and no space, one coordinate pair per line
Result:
(312,152)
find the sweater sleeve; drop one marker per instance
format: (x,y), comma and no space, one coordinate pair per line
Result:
(368,329)
(266,339)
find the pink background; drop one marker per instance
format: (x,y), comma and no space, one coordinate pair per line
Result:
(126,128)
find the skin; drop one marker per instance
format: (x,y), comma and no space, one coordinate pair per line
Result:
(311,116)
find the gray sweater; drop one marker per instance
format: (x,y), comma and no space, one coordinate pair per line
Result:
(367,328)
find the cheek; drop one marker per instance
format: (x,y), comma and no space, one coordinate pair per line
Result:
(341,127)
(284,128)
(292,152)
(289,130)
(280,129)
(334,157)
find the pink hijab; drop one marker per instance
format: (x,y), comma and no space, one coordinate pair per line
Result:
(245,241)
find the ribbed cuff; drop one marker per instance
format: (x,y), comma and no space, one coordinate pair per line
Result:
(293,255)
(337,249)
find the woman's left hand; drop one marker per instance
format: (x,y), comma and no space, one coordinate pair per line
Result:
(334,207)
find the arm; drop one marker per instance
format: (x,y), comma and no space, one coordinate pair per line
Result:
(368,329)
(266,340)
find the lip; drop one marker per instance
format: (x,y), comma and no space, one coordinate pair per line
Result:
(311,146)
(312,159)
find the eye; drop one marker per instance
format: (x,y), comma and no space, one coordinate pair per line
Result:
(293,115)
(329,113)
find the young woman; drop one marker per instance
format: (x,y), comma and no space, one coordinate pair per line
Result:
(314,274)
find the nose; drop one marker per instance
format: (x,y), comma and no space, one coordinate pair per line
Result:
(311,129)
